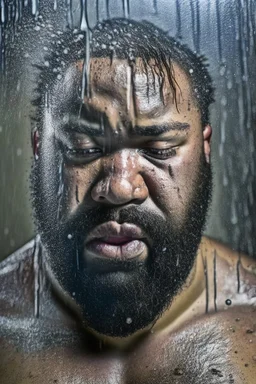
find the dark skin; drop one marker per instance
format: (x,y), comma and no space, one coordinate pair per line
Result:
(200,338)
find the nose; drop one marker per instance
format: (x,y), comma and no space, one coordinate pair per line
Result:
(122,182)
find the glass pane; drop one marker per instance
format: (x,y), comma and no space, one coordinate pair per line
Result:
(127,158)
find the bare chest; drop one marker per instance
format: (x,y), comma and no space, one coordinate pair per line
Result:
(193,355)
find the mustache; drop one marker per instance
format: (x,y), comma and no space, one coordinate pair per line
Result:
(83,221)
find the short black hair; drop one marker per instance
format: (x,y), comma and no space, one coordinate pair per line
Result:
(128,39)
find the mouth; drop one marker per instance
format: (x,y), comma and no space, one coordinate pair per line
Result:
(117,242)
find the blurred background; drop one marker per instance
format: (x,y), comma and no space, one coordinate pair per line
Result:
(223,30)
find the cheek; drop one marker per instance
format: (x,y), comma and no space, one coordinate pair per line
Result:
(78,181)
(173,189)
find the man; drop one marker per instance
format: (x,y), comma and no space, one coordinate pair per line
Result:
(120,286)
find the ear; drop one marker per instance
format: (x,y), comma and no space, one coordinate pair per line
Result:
(207,134)
(35,142)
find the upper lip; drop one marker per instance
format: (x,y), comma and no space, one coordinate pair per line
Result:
(114,229)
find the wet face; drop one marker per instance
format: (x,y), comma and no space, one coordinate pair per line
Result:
(121,189)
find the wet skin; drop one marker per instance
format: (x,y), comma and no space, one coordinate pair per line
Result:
(186,345)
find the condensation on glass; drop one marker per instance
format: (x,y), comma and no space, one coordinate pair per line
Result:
(224,31)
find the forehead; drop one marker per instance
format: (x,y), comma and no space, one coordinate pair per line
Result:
(148,85)
(144,92)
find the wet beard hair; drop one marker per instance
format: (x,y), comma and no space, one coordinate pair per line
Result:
(133,296)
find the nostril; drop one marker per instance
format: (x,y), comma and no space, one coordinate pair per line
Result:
(101,197)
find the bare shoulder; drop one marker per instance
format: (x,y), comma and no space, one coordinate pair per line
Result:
(16,280)
(232,275)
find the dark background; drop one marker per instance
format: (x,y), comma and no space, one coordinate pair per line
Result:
(222,30)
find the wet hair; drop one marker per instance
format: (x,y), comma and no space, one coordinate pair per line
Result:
(128,39)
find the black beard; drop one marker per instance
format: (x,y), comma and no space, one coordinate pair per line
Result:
(120,302)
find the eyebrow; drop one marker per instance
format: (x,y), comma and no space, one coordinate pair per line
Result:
(156,130)
(97,130)
(85,127)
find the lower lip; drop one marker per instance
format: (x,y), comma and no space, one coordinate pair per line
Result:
(126,251)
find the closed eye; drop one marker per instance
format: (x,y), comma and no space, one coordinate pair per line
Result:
(162,154)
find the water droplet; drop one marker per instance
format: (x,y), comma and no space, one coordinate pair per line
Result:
(70,236)
(216,372)
(178,372)
(6,231)
(128,320)
(12,243)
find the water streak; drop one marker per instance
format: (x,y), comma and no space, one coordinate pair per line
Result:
(126,8)
(36,266)
(107,9)
(77,196)
(219,30)
(35,4)
(69,13)
(60,189)
(77,260)
(215,280)
(194,6)
(97,11)
(178,19)
(170,171)
(155,7)
(2,12)
(238,272)
(206,285)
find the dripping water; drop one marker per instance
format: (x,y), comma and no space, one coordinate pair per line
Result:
(178,261)
(155,7)
(238,272)
(219,32)
(35,7)
(60,189)
(178,20)
(215,281)
(170,171)
(2,12)
(126,8)
(194,6)
(77,260)
(128,88)
(36,266)
(84,25)
(69,13)
(2,53)
(77,198)
(107,9)
(97,11)
(206,285)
